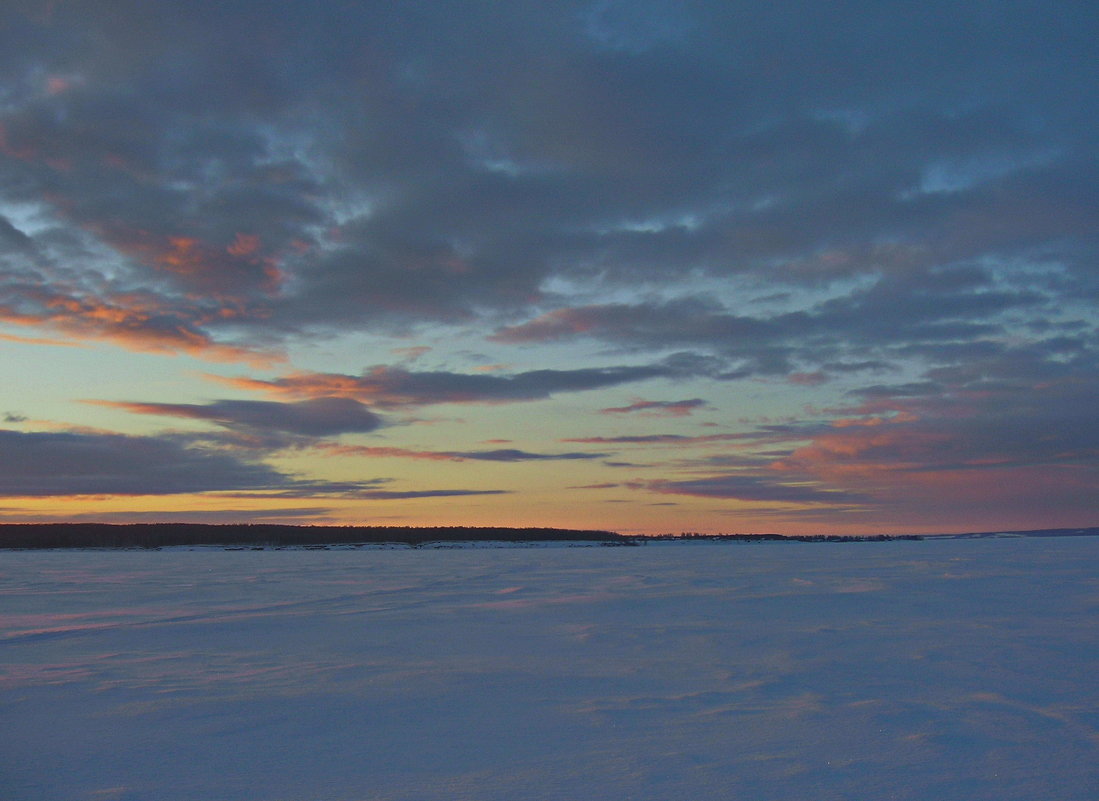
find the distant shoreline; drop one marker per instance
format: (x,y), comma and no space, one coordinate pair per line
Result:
(25,536)
(43,536)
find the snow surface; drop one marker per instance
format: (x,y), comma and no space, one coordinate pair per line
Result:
(954,669)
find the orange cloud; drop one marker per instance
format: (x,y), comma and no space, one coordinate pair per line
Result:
(227,273)
(551,325)
(866,450)
(57,84)
(412,353)
(298,384)
(62,343)
(244,245)
(133,321)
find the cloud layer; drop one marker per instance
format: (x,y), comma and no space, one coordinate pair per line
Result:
(874,224)
(431,165)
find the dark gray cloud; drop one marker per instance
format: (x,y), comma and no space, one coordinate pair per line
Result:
(47,464)
(496,455)
(315,417)
(63,463)
(898,315)
(313,514)
(681,408)
(397,386)
(380,166)
(762,434)
(399,495)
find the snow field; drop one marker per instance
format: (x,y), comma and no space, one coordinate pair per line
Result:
(954,669)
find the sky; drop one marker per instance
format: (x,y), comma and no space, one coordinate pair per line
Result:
(647,266)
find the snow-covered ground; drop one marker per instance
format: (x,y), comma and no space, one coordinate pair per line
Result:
(934,670)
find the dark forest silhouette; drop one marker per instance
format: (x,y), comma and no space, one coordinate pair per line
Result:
(24,536)
(157,535)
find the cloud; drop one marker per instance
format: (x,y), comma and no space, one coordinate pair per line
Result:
(363,493)
(473,157)
(807,379)
(42,464)
(315,417)
(314,514)
(922,309)
(54,343)
(137,320)
(399,495)
(516,455)
(496,455)
(57,464)
(683,408)
(747,488)
(773,433)
(386,386)
(1011,437)
(1014,411)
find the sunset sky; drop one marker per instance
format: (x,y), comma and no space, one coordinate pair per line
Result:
(650,266)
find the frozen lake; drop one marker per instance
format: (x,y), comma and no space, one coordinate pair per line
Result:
(956,669)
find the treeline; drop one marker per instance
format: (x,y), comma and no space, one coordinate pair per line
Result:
(159,535)
(694,535)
